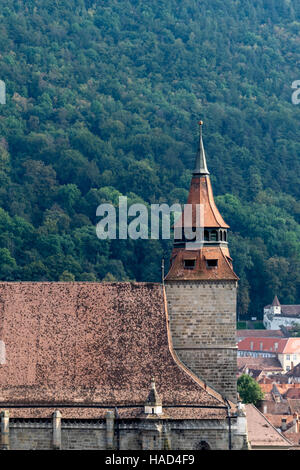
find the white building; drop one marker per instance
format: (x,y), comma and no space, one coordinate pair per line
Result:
(277,315)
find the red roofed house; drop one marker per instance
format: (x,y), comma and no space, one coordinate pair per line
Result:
(97,366)
(286,350)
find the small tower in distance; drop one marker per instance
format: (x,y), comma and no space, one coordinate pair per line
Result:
(201,287)
(276,306)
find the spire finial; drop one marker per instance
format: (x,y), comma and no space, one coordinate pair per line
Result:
(200,163)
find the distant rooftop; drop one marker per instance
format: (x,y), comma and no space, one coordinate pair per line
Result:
(261,433)
(273,345)
(259,333)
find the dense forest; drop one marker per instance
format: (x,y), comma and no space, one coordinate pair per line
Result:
(103,99)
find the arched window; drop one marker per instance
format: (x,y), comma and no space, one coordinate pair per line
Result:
(221,235)
(203,445)
(225,236)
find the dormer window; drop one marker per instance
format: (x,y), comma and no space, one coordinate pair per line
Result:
(189,263)
(212,263)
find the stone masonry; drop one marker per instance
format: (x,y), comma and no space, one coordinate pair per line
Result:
(202,318)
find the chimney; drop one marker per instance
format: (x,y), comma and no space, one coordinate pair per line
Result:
(283,424)
(296,421)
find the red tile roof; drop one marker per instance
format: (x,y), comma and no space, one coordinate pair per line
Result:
(294,405)
(92,343)
(276,420)
(259,363)
(223,271)
(261,433)
(259,333)
(293,437)
(282,388)
(274,345)
(293,393)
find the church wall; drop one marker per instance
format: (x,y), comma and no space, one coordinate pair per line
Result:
(132,435)
(83,439)
(202,317)
(30,437)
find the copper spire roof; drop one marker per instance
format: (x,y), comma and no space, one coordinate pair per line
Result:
(209,257)
(201,193)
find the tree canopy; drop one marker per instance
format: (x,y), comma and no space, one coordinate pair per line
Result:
(103,100)
(249,390)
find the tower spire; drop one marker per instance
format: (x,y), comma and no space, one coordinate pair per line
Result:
(200,163)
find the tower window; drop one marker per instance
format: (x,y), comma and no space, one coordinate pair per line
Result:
(212,263)
(189,263)
(213,236)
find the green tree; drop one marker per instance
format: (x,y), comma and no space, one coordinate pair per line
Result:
(66,276)
(249,389)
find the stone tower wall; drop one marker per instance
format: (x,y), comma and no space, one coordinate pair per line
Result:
(202,317)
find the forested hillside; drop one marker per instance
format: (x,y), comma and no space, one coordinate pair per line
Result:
(103,99)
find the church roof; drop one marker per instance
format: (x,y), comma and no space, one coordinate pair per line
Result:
(92,343)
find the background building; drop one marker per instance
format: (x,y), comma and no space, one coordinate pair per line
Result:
(286,350)
(277,315)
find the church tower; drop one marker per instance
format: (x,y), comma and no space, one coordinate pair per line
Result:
(201,287)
